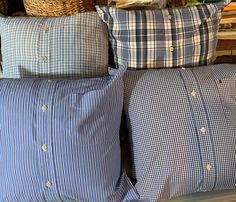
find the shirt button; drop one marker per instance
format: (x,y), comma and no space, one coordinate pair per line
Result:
(49,81)
(193,93)
(183,68)
(44,147)
(203,130)
(171,49)
(45,29)
(169,17)
(48,184)
(44,58)
(204,190)
(44,108)
(208,167)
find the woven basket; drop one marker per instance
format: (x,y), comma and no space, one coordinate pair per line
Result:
(57,7)
(3,7)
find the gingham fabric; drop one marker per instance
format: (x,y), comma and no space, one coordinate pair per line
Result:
(54,47)
(182,129)
(163,38)
(60,141)
(216,196)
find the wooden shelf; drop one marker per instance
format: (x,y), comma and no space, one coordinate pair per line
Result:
(227,35)
(227,44)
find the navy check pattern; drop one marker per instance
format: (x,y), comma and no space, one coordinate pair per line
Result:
(182,129)
(60,141)
(54,47)
(163,38)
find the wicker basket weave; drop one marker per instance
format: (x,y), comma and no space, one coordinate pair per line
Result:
(57,7)
(3,7)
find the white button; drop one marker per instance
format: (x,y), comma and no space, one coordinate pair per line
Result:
(48,184)
(44,58)
(203,130)
(44,147)
(45,29)
(208,167)
(183,68)
(169,17)
(203,190)
(49,81)
(44,108)
(209,18)
(193,93)
(171,48)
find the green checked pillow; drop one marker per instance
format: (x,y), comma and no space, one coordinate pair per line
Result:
(68,47)
(163,38)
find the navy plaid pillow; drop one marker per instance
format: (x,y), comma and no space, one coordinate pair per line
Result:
(163,38)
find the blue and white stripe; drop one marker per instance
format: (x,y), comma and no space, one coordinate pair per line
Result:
(78,124)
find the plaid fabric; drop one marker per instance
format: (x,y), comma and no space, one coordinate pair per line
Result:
(182,129)
(60,141)
(163,38)
(54,47)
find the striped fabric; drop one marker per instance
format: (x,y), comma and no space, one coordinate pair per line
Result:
(163,38)
(60,141)
(54,47)
(182,129)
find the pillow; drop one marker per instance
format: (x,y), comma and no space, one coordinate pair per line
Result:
(163,38)
(60,140)
(54,47)
(182,129)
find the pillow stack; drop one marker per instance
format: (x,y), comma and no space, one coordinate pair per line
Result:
(60,112)
(61,106)
(180,108)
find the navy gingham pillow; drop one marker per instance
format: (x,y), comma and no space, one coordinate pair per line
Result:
(73,46)
(182,129)
(163,38)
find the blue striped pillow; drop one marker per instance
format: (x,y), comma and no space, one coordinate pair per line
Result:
(182,129)
(73,46)
(59,140)
(163,38)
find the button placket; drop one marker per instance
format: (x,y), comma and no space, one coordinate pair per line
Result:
(200,116)
(44,41)
(44,145)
